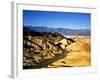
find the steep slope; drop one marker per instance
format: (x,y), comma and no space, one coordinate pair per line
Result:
(43,48)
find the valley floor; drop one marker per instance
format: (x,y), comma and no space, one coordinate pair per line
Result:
(79,53)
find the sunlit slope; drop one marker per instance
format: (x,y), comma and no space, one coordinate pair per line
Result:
(79,54)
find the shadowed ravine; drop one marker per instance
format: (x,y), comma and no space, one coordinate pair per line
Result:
(46,62)
(43,48)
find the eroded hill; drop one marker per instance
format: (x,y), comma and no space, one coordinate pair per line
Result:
(79,54)
(41,49)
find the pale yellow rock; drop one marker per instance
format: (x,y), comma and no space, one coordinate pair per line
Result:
(79,54)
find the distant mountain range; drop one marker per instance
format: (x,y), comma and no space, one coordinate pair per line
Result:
(63,31)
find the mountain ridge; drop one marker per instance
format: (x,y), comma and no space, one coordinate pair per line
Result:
(63,31)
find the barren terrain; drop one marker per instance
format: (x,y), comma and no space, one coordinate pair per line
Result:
(79,53)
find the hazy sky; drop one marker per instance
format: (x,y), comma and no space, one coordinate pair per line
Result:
(57,19)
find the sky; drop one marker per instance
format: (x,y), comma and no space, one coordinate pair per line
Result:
(52,19)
